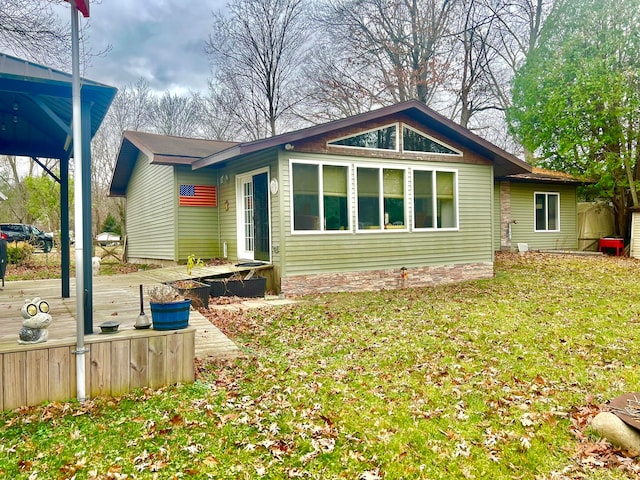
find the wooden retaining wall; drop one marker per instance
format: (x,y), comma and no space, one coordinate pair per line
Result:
(115,364)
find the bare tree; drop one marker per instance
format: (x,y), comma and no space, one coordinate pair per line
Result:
(515,33)
(403,42)
(216,123)
(336,89)
(30,29)
(129,111)
(256,50)
(470,86)
(12,173)
(130,108)
(177,115)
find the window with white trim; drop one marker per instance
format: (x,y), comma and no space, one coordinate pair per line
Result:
(435,203)
(381,198)
(416,141)
(547,212)
(383,138)
(387,137)
(320,197)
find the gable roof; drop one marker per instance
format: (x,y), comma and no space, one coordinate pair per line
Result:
(199,153)
(161,150)
(504,162)
(36,107)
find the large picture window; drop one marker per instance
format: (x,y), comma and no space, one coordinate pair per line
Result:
(325,197)
(320,199)
(547,211)
(381,198)
(435,203)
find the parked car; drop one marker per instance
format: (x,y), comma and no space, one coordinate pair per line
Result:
(20,232)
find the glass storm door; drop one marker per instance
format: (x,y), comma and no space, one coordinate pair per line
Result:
(253,218)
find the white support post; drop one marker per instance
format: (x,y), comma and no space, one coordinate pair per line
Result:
(77,157)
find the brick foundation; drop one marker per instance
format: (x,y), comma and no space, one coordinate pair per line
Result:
(390,279)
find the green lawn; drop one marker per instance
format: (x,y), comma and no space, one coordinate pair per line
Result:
(492,379)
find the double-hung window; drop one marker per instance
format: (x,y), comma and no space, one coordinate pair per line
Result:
(435,203)
(547,212)
(381,198)
(320,197)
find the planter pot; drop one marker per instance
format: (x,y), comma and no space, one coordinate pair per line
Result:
(170,316)
(197,292)
(253,287)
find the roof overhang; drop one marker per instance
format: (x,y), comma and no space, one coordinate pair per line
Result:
(541,175)
(36,108)
(160,150)
(504,162)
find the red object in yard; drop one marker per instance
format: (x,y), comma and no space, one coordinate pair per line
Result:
(613,243)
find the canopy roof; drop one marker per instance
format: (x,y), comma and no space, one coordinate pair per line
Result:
(36,108)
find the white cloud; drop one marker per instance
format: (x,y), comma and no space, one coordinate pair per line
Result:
(161,41)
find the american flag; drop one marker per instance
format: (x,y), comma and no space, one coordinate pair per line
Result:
(197,196)
(82,6)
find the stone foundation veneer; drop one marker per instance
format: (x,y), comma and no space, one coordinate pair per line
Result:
(505,215)
(384,279)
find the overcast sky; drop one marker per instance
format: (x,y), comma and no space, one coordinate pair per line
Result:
(161,41)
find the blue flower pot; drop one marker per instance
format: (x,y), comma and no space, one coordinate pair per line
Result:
(170,316)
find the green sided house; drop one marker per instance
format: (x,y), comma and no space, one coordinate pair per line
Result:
(399,196)
(537,209)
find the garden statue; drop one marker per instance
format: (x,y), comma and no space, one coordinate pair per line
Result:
(36,320)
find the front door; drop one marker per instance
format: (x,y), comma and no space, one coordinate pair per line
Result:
(253,216)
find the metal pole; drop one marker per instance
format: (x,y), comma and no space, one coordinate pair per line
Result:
(77,157)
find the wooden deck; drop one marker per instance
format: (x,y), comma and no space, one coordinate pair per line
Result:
(115,297)
(115,363)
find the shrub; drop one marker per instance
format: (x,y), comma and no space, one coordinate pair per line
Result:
(110,224)
(19,252)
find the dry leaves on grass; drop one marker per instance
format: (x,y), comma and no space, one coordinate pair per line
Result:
(475,380)
(594,453)
(236,323)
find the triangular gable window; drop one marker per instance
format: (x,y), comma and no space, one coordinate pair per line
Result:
(414,141)
(384,138)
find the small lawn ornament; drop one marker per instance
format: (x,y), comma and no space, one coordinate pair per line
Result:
(36,321)
(95,265)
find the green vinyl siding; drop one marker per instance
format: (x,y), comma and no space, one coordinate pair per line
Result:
(522,211)
(497,219)
(227,213)
(228,193)
(471,242)
(151,211)
(196,227)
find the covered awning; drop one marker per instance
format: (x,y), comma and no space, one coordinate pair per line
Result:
(35,109)
(36,116)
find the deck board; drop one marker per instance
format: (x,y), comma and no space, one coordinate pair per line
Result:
(115,297)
